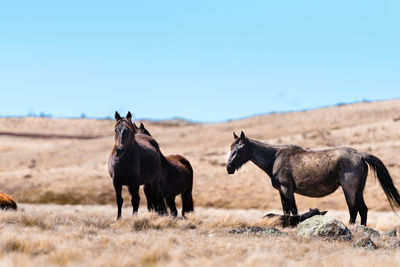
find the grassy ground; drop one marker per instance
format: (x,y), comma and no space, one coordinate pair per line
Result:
(90,236)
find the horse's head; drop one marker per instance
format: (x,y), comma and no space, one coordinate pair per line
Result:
(143,130)
(239,155)
(124,133)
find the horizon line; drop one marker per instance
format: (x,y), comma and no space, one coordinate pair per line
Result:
(84,116)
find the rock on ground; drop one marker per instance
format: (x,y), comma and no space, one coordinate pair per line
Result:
(366,243)
(258,230)
(323,226)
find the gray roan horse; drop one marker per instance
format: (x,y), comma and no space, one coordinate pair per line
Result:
(293,169)
(135,160)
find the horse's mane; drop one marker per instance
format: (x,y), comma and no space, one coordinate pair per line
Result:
(276,146)
(154,144)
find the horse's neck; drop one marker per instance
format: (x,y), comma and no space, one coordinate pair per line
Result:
(263,156)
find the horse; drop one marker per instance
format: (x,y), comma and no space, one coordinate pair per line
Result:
(294,220)
(177,179)
(135,160)
(7,202)
(293,169)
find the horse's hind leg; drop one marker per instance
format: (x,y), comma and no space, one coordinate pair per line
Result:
(158,197)
(187,201)
(362,208)
(149,197)
(135,198)
(172,206)
(350,195)
(120,201)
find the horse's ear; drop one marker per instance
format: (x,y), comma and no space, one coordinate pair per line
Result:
(141,126)
(129,115)
(242,136)
(235,136)
(117,116)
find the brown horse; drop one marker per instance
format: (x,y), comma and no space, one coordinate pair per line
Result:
(135,160)
(293,169)
(177,179)
(7,202)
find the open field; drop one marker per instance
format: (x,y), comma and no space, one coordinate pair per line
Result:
(63,161)
(48,167)
(90,236)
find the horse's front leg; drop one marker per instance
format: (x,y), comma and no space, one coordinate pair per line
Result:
(287,199)
(120,201)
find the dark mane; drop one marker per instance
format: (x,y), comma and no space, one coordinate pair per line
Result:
(155,144)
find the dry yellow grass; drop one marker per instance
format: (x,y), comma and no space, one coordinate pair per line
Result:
(38,235)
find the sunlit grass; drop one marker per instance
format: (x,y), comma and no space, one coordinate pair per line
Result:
(91,236)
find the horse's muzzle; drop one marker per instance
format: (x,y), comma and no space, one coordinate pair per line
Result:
(230,169)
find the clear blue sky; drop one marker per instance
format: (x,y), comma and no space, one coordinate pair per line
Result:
(201,60)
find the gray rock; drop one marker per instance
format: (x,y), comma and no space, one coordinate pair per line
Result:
(323,226)
(366,243)
(392,233)
(367,231)
(258,230)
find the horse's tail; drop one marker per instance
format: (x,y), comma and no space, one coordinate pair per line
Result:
(187,198)
(384,179)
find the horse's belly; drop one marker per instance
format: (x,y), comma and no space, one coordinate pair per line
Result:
(316,186)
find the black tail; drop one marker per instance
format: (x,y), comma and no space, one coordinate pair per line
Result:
(187,198)
(384,179)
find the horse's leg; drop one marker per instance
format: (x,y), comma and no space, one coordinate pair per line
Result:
(285,208)
(350,194)
(287,198)
(172,206)
(187,201)
(120,201)
(362,208)
(158,197)
(135,198)
(149,197)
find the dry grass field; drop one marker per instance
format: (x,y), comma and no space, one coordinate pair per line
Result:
(63,161)
(50,235)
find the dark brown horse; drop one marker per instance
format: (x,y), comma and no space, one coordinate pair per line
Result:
(177,179)
(135,160)
(293,169)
